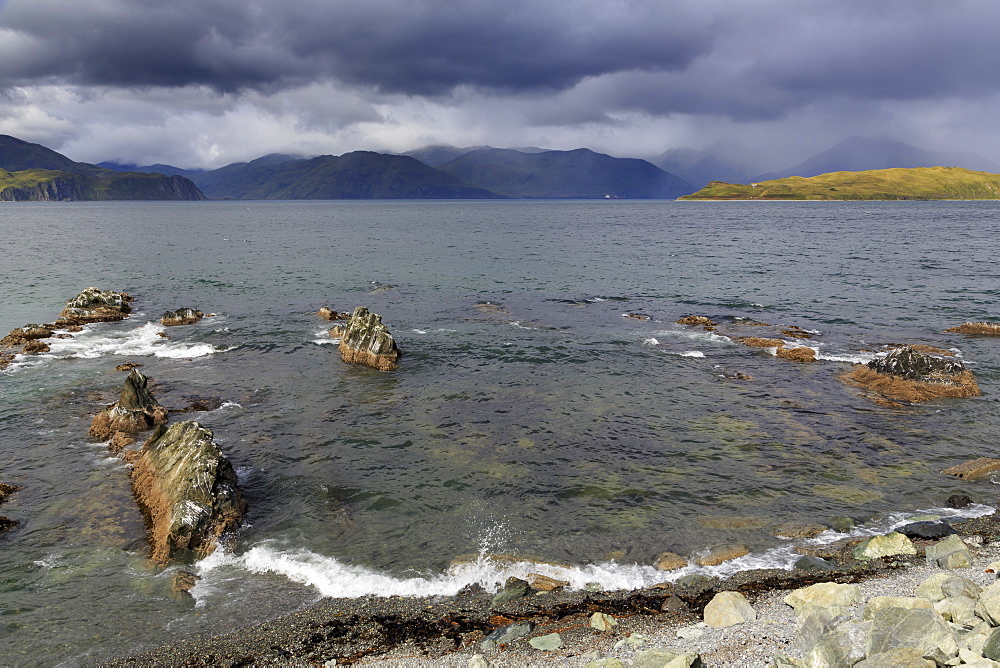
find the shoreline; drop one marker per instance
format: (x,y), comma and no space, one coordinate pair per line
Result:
(401,631)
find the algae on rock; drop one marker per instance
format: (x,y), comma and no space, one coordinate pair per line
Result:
(365,340)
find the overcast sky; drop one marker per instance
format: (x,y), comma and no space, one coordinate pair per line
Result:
(202,83)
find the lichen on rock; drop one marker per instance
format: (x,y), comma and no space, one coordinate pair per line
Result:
(365,340)
(188,490)
(182,316)
(95,305)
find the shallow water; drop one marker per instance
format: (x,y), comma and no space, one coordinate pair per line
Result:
(543,425)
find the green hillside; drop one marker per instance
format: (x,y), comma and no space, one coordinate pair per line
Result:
(919,183)
(578,174)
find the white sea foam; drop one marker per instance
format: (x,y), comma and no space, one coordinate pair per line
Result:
(692,353)
(141,341)
(651,342)
(418,331)
(515,323)
(695,335)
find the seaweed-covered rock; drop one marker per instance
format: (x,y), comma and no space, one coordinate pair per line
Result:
(977,328)
(365,340)
(21,335)
(188,490)
(95,305)
(905,374)
(135,411)
(182,316)
(6,523)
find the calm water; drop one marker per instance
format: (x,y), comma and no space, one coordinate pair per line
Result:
(550,427)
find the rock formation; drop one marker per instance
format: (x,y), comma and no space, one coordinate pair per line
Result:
(365,340)
(328,313)
(5,522)
(907,375)
(977,328)
(135,411)
(22,335)
(188,491)
(182,316)
(95,305)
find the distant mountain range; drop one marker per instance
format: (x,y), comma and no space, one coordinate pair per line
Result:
(31,172)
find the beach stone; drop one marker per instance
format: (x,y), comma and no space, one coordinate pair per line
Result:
(188,490)
(602,622)
(844,645)
(798,530)
(991,648)
(728,608)
(823,595)
(815,623)
(926,530)
(943,585)
(949,553)
(923,629)
(505,635)
(901,657)
(365,340)
(182,316)
(956,609)
(673,604)
(513,589)
(782,660)
(959,501)
(877,603)
(668,561)
(692,632)
(608,662)
(988,606)
(884,546)
(479,661)
(809,563)
(723,553)
(664,657)
(693,580)
(546,643)
(634,640)
(540,582)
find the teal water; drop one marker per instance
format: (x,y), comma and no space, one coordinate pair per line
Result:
(528,416)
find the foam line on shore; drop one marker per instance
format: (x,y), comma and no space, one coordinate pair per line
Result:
(141,341)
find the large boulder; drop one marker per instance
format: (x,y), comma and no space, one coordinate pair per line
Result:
(365,340)
(188,490)
(889,545)
(182,316)
(926,630)
(949,553)
(135,411)
(823,595)
(21,335)
(728,608)
(95,305)
(904,374)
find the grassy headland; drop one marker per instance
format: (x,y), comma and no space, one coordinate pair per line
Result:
(919,183)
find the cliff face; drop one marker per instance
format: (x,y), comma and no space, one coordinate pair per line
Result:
(52,186)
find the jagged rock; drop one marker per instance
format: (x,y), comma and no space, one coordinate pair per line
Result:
(328,313)
(182,582)
(901,657)
(605,662)
(477,661)
(668,561)
(977,328)
(728,608)
(135,411)
(814,623)
(988,607)
(958,501)
(182,316)
(758,342)
(877,603)
(540,582)
(128,366)
(974,469)
(188,490)
(991,648)
(949,553)
(926,530)
(665,657)
(721,553)
(365,340)
(888,545)
(943,585)
(35,347)
(698,320)
(823,595)
(22,335)
(907,375)
(514,588)
(956,609)
(95,305)
(844,645)
(923,629)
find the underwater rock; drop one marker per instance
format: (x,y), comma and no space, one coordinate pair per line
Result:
(670,561)
(182,316)
(95,305)
(720,553)
(973,470)
(188,491)
(977,328)
(905,374)
(365,340)
(136,410)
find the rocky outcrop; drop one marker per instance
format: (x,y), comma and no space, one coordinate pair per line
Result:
(905,374)
(6,523)
(58,186)
(22,335)
(365,340)
(135,411)
(188,491)
(977,328)
(95,305)
(328,313)
(697,320)
(182,316)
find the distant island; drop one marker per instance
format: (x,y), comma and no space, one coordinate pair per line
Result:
(918,183)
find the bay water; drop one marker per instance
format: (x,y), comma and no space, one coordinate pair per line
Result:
(529,416)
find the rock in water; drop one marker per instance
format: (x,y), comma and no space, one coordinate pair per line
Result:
(182,316)
(188,490)
(95,305)
(907,375)
(135,411)
(365,340)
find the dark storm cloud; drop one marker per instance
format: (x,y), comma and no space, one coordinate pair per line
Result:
(423,48)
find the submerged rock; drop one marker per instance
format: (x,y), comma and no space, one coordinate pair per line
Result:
(365,340)
(721,553)
(907,375)
(973,470)
(182,316)
(188,490)
(135,411)
(95,305)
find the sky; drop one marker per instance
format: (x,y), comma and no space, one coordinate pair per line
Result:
(204,83)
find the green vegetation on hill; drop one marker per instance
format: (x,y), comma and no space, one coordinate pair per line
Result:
(919,183)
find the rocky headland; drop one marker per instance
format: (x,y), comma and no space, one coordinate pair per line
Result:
(365,340)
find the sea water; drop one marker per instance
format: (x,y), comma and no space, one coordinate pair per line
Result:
(528,418)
